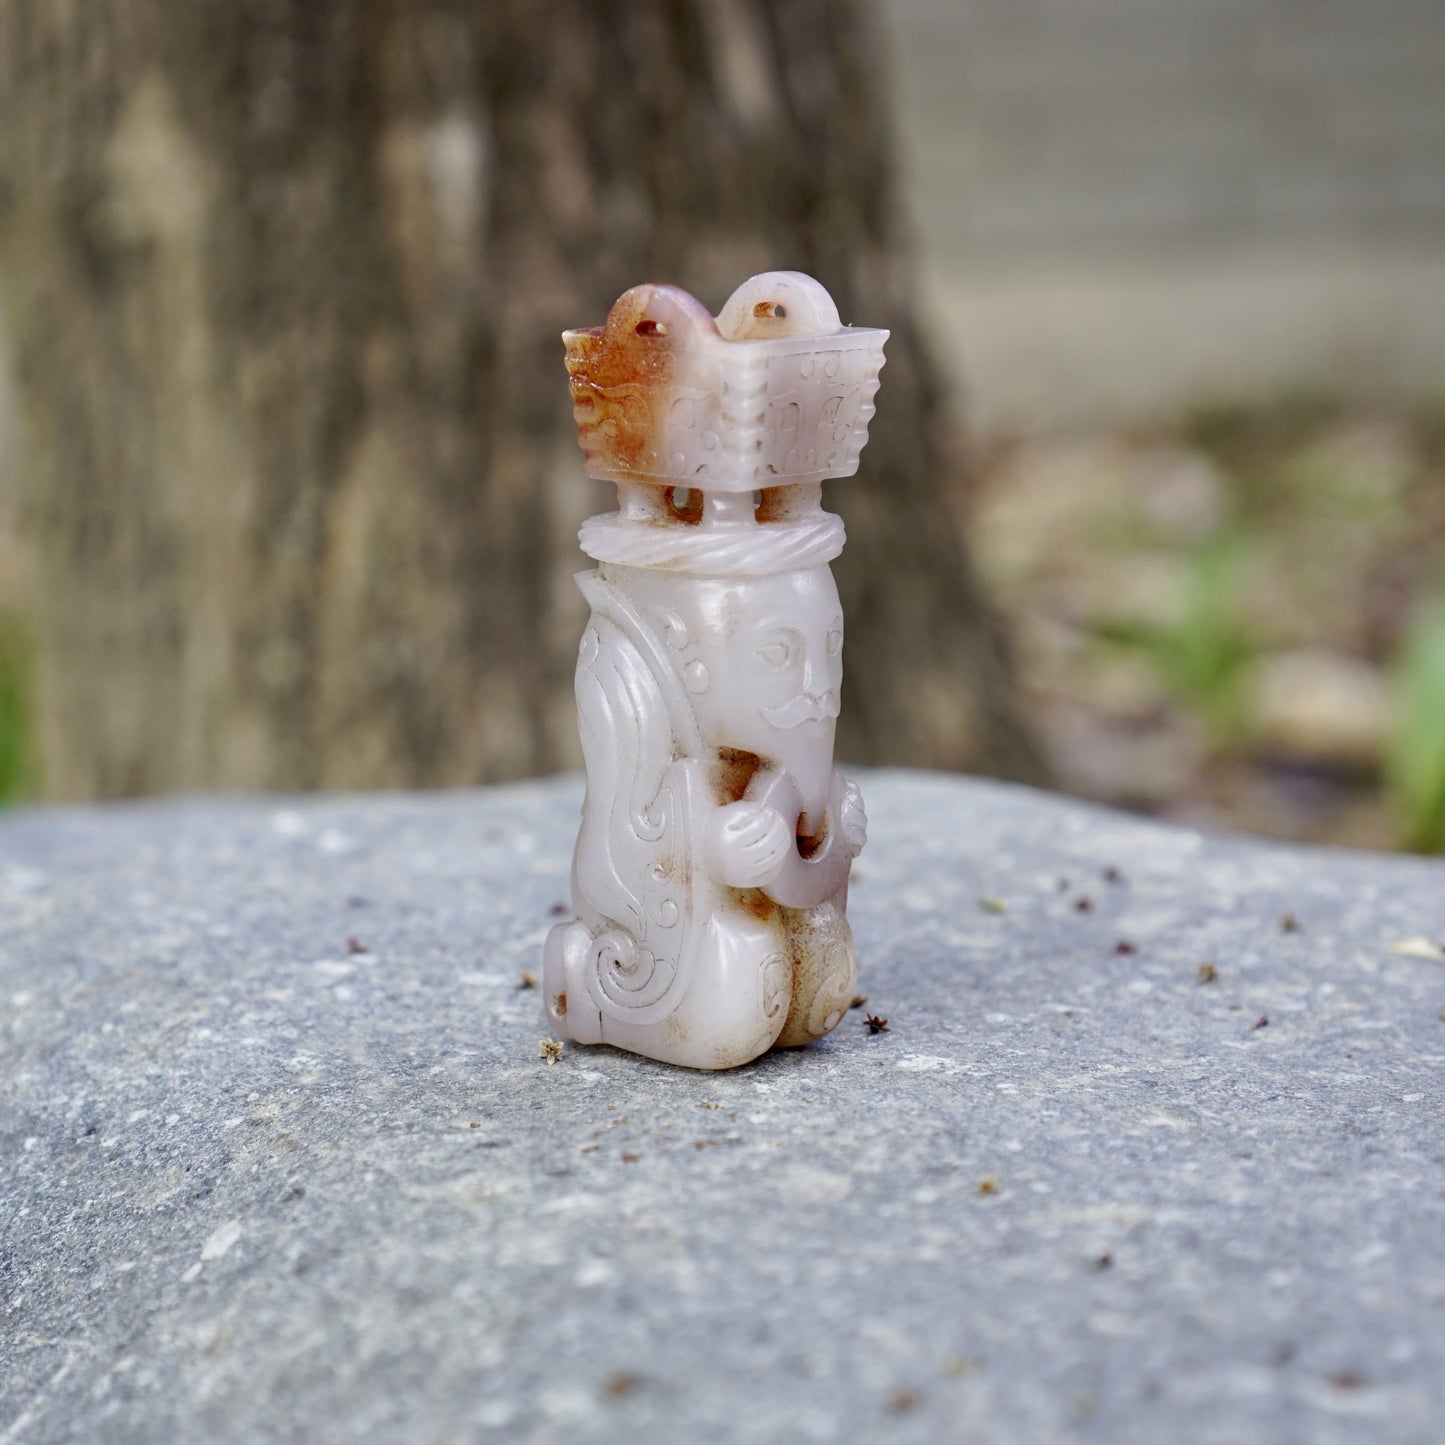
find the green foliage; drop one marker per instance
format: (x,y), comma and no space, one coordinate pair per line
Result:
(14,749)
(1416,766)
(1201,652)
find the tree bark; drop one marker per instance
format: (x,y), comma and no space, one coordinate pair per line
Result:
(284,280)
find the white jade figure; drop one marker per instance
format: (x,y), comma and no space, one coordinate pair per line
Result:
(710,877)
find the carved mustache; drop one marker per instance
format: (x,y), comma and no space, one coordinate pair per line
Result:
(804,708)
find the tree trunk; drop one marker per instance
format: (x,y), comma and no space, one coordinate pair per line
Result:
(284,280)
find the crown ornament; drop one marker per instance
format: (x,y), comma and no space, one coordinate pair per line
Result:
(711,427)
(710,876)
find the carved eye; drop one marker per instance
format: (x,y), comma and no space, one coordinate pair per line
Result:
(776,653)
(835,642)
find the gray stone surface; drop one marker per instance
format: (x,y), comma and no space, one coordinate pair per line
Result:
(254,1186)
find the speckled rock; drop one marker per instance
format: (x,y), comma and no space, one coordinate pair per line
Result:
(279,1159)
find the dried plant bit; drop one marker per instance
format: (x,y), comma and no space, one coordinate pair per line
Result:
(550,1050)
(1125,947)
(526,980)
(859,999)
(621,1385)
(1288,923)
(1206,973)
(630,1158)
(875,1024)
(988,1184)
(993,905)
(1420,947)
(1262,1022)
(1112,875)
(1083,904)
(355,945)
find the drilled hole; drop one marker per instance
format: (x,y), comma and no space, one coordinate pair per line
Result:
(808,847)
(651,328)
(774,309)
(685,504)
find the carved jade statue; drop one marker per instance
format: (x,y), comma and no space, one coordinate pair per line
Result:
(710,877)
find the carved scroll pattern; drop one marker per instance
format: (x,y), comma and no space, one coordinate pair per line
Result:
(637,820)
(819,405)
(777,971)
(637,430)
(835,993)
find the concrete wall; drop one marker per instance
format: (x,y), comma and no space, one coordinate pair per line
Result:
(1131,205)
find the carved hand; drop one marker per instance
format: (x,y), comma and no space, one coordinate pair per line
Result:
(747,844)
(853,821)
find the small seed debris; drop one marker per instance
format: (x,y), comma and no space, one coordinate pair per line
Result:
(1083,905)
(1112,875)
(958,1367)
(1104,1261)
(859,999)
(1262,1022)
(1206,973)
(550,1049)
(630,1158)
(355,945)
(876,1025)
(1421,947)
(526,980)
(558,910)
(621,1385)
(1288,923)
(1124,946)
(993,905)
(903,1401)
(988,1185)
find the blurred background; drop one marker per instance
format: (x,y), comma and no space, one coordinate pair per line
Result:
(1154,505)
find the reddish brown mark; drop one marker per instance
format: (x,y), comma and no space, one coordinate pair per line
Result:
(634,351)
(732,771)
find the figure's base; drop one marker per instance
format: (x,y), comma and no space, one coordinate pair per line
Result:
(744,994)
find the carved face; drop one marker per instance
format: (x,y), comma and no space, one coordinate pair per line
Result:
(761,659)
(774,653)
